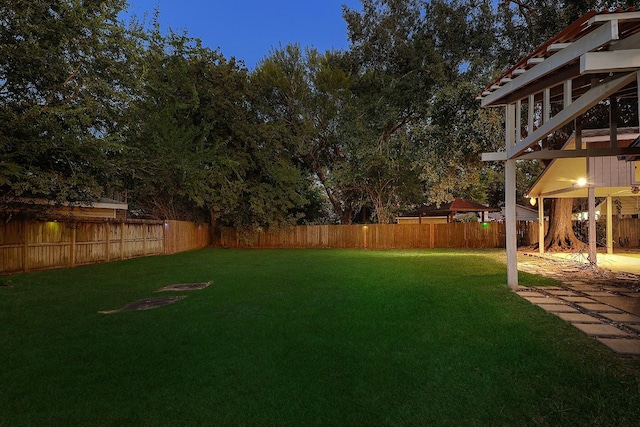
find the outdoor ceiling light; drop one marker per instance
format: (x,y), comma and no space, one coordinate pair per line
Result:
(533,201)
(581,182)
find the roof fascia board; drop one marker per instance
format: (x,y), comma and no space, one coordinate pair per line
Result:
(614,61)
(576,108)
(595,39)
(622,16)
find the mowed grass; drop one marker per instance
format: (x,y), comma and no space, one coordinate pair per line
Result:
(301,337)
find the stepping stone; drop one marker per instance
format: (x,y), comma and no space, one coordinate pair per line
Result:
(597,293)
(542,300)
(600,308)
(632,294)
(616,289)
(622,345)
(561,292)
(600,330)
(185,287)
(145,304)
(525,294)
(577,299)
(622,317)
(558,308)
(578,318)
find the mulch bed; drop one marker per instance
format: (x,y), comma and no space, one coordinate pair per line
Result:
(568,270)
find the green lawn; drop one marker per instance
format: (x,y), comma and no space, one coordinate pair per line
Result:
(301,337)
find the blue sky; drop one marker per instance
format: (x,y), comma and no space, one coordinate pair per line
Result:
(249,29)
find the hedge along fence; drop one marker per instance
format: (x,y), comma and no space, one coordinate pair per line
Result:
(28,246)
(371,236)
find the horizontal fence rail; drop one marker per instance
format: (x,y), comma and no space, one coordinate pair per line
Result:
(371,236)
(26,245)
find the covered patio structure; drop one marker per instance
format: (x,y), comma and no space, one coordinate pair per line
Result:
(596,59)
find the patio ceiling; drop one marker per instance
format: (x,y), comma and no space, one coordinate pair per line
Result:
(560,178)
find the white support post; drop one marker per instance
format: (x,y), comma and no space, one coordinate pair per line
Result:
(530,113)
(518,128)
(609,226)
(593,254)
(546,105)
(510,203)
(568,91)
(541,225)
(638,84)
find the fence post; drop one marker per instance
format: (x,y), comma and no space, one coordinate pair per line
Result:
(25,247)
(432,235)
(108,231)
(122,240)
(73,244)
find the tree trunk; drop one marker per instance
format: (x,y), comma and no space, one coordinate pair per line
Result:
(560,236)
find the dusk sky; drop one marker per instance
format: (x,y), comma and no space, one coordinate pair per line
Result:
(249,29)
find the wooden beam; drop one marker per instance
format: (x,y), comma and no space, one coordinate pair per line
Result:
(498,156)
(617,61)
(595,39)
(570,154)
(557,46)
(577,108)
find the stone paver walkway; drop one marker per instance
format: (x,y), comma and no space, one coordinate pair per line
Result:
(603,304)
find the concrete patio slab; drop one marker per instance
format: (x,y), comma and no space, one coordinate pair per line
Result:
(558,308)
(561,292)
(626,346)
(597,293)
(630,305)
(600,330)
(540,299)
(577,299)
(600,308)
(578,318)
(622,317)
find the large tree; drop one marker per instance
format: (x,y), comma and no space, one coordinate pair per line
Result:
(307,96)
(66,79)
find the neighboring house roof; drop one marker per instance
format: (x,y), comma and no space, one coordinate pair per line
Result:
(101,208)
(627,205)
(523,213)
(458,205)
(612,176)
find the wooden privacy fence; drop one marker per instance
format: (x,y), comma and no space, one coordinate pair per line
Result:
(627,232)
(372,236)
(28,246)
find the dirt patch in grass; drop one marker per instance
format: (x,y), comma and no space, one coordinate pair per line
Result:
(185,287)
(145,304)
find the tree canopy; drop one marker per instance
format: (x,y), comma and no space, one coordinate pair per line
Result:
(91,106)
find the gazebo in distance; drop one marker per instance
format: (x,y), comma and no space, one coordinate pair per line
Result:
(445,212)
(595,59)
